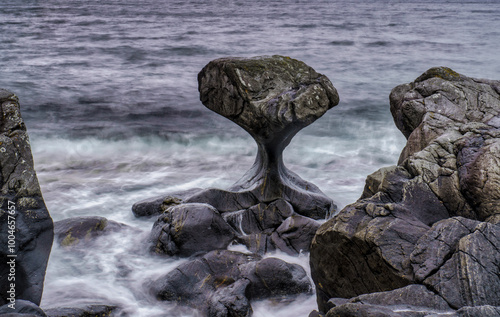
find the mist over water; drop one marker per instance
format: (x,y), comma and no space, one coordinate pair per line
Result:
(109,95)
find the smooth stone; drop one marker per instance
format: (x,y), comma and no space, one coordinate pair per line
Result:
(189,229)
(84,311)
(157,205)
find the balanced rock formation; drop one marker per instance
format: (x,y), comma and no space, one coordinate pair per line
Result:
(222,283)
(272,98)
(269,208)
(432,220)
(26,228)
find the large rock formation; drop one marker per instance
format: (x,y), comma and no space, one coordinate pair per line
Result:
(272,98)
(270,208)
(26,229)
(432,219)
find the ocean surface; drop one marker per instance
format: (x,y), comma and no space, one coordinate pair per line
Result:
(108,91)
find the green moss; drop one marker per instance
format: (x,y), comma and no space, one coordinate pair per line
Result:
(439,72)
(102,224)
(69,240)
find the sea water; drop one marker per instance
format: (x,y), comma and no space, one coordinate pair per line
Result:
(108,91)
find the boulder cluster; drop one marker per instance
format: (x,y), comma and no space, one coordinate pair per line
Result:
(424,233)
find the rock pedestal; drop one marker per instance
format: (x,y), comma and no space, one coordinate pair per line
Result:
(272,98)
(433,219)
(26,228)
(270,207)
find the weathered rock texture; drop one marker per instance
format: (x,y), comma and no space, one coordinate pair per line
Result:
(222,283)
(431,220)
(270,208)
(409,301)
(84,311)
(22,208)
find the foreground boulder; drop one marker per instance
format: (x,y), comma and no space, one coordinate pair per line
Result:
(84,311)
(223,283)
(432,220)
(73,231)
(26,228)
(188,229)
(270,208)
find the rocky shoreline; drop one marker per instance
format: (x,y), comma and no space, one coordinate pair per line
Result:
(424,234)
(422,240)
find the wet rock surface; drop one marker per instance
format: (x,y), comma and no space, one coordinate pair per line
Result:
(432,220)
(155,206)
(223,283)
(73,231)
(190,229)
(84,311)
(412,300)
(24,218)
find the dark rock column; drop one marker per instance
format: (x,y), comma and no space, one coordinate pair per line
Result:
(26,228)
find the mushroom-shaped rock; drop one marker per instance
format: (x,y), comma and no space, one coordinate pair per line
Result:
(272,98)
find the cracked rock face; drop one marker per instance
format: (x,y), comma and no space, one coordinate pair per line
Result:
(22,207)
(431,220)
